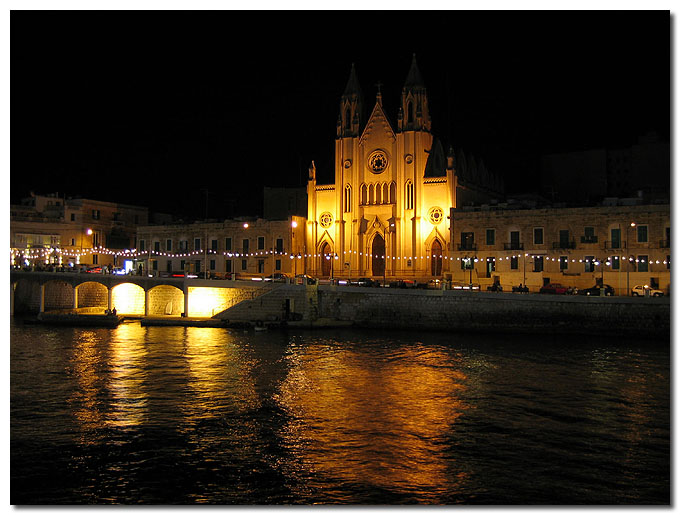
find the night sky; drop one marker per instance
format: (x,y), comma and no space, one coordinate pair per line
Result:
(156,108)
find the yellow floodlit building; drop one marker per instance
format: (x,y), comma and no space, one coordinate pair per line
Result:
(386,213)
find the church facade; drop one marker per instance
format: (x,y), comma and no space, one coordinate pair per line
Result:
(386,215)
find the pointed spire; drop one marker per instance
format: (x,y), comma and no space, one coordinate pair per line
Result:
(414,78)
(352,87)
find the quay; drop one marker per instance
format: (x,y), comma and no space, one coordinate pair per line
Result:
(211,303)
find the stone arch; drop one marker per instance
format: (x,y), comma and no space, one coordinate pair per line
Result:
(58,295)
(166,299)
(91,294)
(128,299)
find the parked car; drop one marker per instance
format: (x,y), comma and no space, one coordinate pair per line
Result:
(403,283)
(366,281)
(276,277)
(639,291)
(595,291)
(300,279)
(554,288)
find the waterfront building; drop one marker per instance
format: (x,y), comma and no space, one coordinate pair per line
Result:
(385,213)
(619,245)
(246,247)
(54,229)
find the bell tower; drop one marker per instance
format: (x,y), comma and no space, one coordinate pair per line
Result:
(351,107)
(414,112)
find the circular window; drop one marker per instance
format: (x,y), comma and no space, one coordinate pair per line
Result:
(348,163)
(436,215)
(326,219)
(377,161)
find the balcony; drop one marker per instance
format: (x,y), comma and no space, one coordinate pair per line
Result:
(513,246)
(588,239)
(467,246)
(564,245)
(614,244)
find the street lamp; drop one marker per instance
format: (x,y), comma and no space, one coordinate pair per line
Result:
(632,224)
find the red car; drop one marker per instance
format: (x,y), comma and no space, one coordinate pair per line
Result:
(554,288)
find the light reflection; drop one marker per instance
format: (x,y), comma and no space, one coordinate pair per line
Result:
(127,378)
(386,422)
(85,398)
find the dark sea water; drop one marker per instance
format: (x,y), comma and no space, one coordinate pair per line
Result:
(164,415)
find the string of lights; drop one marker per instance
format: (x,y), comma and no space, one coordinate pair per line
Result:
(38,253)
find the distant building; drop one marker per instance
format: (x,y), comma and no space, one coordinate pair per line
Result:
(640,171)
(246,247)
(49,229)
(577,247)
(394,185)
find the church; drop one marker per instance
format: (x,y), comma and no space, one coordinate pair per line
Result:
(386,215)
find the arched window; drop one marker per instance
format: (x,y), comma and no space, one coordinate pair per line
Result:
(393,192)
(409,112)
(348,117)
(378,193)
(408,195)
(371,193)
(386,193)
(364,195)
(348,198)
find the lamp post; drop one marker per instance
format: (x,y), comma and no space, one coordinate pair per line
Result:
(88,231)
(632,224)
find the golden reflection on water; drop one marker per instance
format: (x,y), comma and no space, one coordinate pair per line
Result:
(366,419)
(218,373)
(84,366)
(127,377)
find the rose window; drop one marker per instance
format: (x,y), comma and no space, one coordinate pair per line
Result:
(377,161)
(326,220)
(436,215)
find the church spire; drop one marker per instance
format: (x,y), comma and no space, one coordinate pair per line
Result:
(351,105)
(414,112)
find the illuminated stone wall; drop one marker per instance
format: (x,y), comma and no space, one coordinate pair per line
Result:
(93,294)
(58,295)
(166,300)
(128,299)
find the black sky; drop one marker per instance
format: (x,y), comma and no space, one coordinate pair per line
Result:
(155,108)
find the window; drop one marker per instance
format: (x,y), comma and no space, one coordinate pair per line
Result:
(95,239)
(197,243)
(643,263)
(589,264)
(615,263)
(213,245)
(154,265)
(277,264)
(95,259)
(668,262)
(142,245)
(260,243)
(378,194)
(96,214)
(371,193)
(393,192)
(73,242)
(168,265)
(168,245)
(73,217)
(564,263)
(514,263)
(491,236)
(348,198)
(279,245)
(182,265)
(246,246)
(157,246)
(364,195)
(589,235)
(616,238)
(227,244)
(538,263)
(642,234)
(244,264)
(212,264)
(467,241)
(227,265)
(197,266)
(260,266)
(538,236)
(408,195)
(490,265)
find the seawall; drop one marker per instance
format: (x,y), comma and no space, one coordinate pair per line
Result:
(448,310)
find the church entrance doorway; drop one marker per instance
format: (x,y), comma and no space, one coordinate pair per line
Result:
(436,258)
(378,252)
(325,260)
